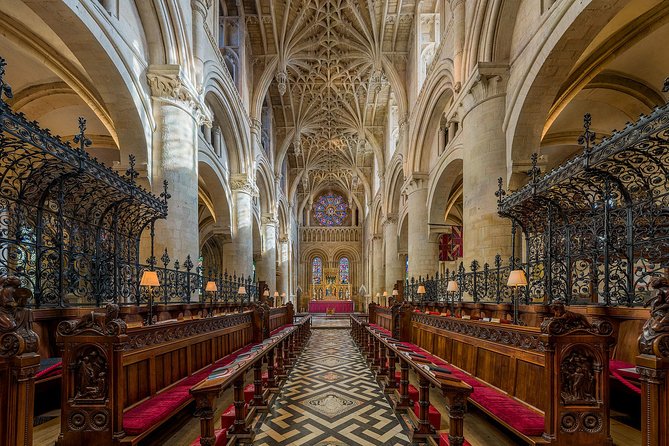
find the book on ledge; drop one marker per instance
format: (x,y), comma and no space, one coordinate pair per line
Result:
(436,368)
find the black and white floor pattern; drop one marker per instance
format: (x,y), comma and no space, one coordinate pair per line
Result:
(331,399)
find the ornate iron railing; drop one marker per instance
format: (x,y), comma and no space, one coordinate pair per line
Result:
(594,230)
(70,226)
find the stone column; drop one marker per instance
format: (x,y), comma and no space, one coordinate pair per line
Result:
(378,270)
(243,191)
(282,281)
(485,233)
(458,10)
(394,267)
(178,113)
(200,8)
(266,268)
(423,251)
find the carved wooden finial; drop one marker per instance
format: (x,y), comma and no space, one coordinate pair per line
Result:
(654,339)
(16,334)
(565,321)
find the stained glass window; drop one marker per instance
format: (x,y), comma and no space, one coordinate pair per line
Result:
(330,210)
(317,271)
(344,269)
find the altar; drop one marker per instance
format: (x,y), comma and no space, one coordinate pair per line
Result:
(339,306)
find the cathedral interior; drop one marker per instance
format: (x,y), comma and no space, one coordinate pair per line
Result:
(334,222)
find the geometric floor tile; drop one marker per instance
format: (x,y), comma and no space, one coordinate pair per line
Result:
(331,399)
(332,403)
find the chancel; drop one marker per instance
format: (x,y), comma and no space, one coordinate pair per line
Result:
(329,222)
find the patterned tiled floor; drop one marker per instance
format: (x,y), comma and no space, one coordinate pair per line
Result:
(331,399)
(330,322)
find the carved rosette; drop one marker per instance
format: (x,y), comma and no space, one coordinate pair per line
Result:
(16,334)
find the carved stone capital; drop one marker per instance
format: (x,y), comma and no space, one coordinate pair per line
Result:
(488,81)
(169,84)
(269,218)
(391,219)
(201,6)
(241,182)
(415,182)
(376,237)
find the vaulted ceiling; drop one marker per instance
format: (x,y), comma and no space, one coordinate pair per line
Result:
(330,89)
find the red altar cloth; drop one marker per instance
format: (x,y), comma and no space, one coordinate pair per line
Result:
(340,306)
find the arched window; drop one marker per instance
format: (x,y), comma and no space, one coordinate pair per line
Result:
(344,270)
(317,271)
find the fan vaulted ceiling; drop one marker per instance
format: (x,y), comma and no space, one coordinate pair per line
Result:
(330,90)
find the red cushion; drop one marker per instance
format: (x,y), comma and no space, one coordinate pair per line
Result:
(443,440)
(509,411)
(276,330)
(155,410)
(413,393)
(221,438)
(618,366)
(228,417)
(249,391)
(433,414)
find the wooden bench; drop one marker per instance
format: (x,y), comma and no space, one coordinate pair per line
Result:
(525,375)
(383,353)
(279,352)
(120,383)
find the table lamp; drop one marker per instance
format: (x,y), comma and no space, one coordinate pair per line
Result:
(452,288)
(211,288)
(517,279)
(150,281)
(276,299)
(421,292)
(241,292)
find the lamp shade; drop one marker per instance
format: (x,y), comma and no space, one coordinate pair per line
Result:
(421,289)
(283,294)
(452,286)
(265,293)
(211,287)
(395,292)
(276,294)
(242,290)
(517,278)
(149,278)
(385,294)
(378,294)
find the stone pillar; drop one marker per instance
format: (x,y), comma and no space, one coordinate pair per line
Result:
(266,268)
(200,8)
(243,191)
(423,252)
(394,267)
(178,113)
(378,270)
(485,233)
(283,277)
(458,9)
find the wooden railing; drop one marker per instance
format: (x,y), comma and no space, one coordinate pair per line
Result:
(384,353)
(281,316)
(284,347)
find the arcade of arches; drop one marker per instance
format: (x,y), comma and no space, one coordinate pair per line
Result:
(331,148)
